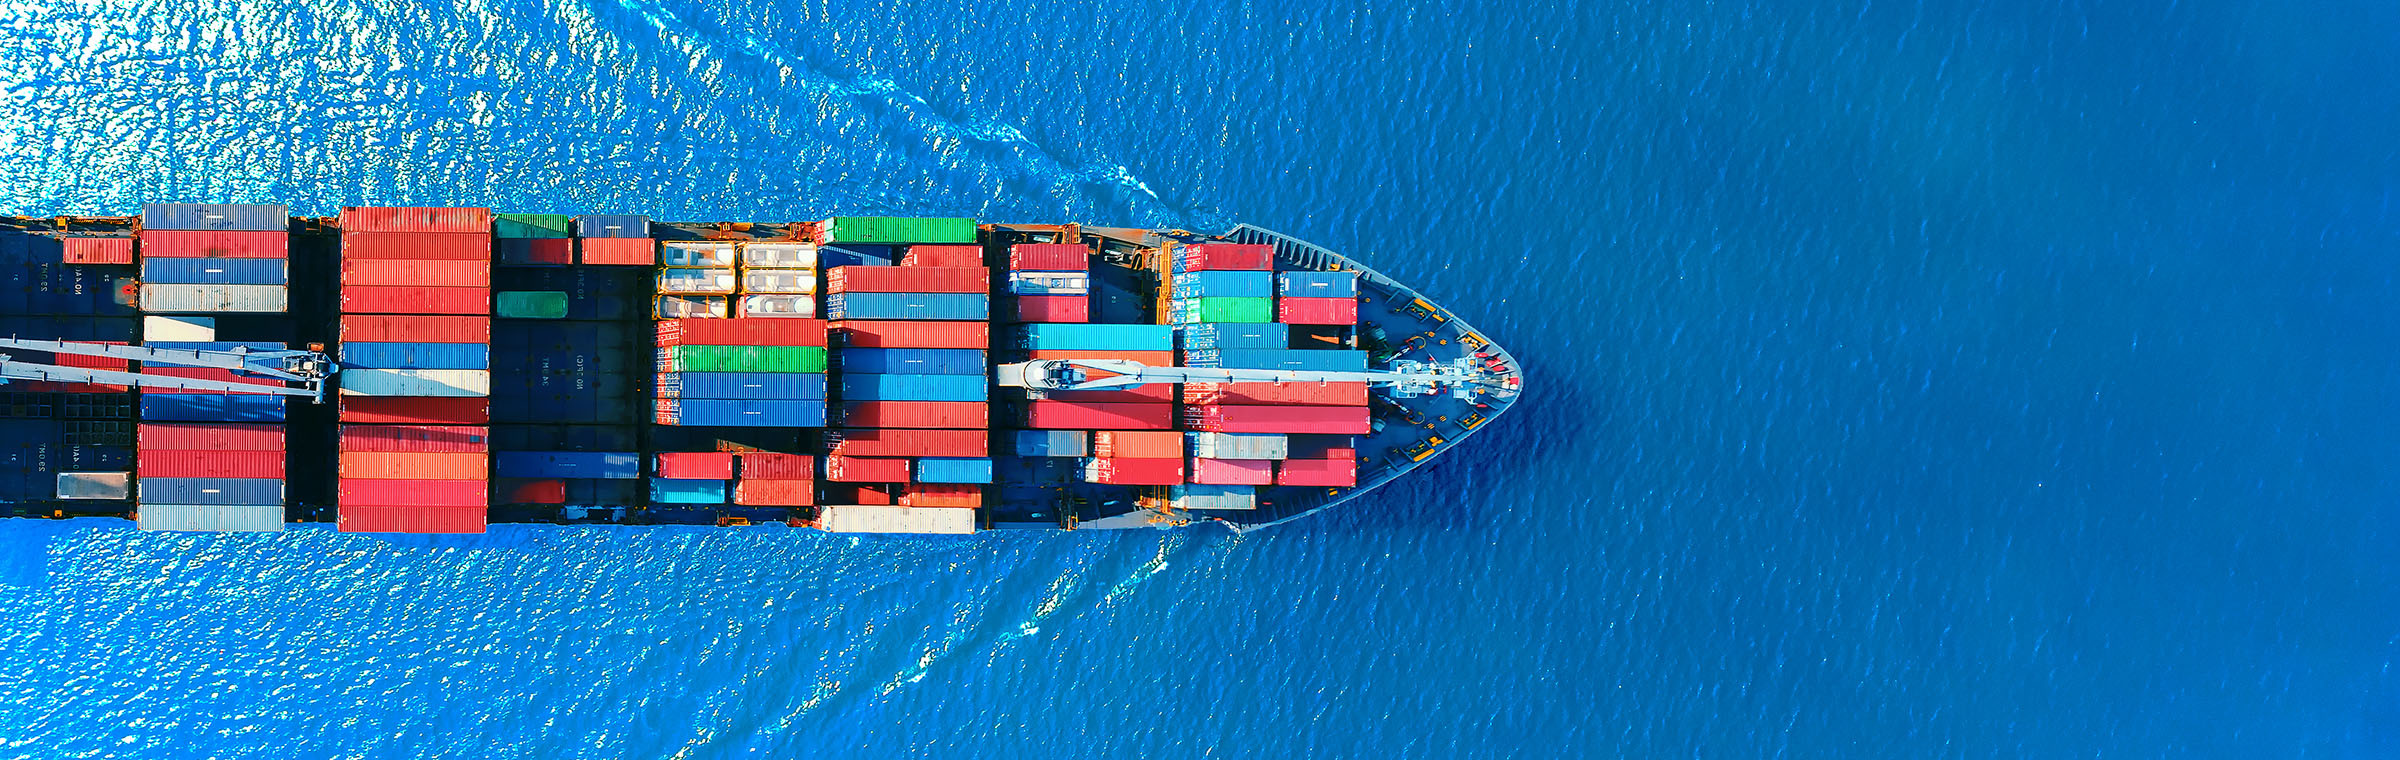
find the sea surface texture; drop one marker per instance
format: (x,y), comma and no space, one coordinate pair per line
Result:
(1909,380)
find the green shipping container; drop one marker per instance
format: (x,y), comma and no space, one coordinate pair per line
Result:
(898,229)
(531,304)
(530,225)
(809,359)
(1226,310)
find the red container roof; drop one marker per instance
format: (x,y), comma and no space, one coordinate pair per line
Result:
(208,435)
(775,493)
(910,443)
(415,328)
(417,273)
(1317,394)
(943,256)
(1229,256)
(741,332)
(408,410)
(917,414)
(771,465)
(626,251)
(1278,419)
(173,463)
(415,219)
(1054,308)
(868,279)
(446,246)
(696,465)
(400,299)
(215,244)
(1049,257)
(421,438)
(411,519)
(414,492)
(99,250)
(908,334)
(865,469)
(1078,415)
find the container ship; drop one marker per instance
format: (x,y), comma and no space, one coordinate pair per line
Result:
(207,367)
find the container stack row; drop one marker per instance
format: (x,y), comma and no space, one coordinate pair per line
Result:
(778,280)
(415,344)
(205,258)
(613,240)
(572,354)
(741,373)
(1130,432)
(210,476)
(70,444)
(1051,282)
(911,302)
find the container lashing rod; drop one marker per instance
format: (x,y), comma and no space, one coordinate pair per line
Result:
(1460,378)
(309,368)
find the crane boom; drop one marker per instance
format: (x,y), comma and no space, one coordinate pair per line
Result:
(1461,378)
(307,367)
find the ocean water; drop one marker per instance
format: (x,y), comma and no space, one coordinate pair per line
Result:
(1909,380)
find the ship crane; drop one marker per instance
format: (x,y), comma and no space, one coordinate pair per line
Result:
(309,368)
(1461,379)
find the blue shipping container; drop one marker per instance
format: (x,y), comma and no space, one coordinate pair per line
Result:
(612,226)
(607,465)
(200,407)
(1236,335)
(950,306)
(932,470)
(1053,443)
(1260,358)
(211,491)
(216,216)
(677,491)
(1093,337)
(417,355)
(1214,284)
(859,387)
(216,271)
(1317,284)
(763,386)
(854,254)
(711,412)
(35,280)
(912,361)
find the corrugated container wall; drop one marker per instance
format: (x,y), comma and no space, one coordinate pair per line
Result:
(210,216)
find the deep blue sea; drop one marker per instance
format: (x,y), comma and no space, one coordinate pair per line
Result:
(1930,379)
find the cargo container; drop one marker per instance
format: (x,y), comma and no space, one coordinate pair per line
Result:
(1212,497)
(696,465)
(849,518)
(1151,358)
(416,355)
(858,255)
(523,491)
(109,486)
(402,492)
(414,411)
(398,299)
(696,253)
(856,279)
(567,464)
(1137,444)
(166,407)
(775,493)
(1226,256)
(943,256)
(1317,284)
(1054,415)
(1134,472)
(356,219)
(196,373)
(1053,443)
(156,297)
(779,281)
(1240,446)
(370,381)
(1330,473)
(1049,257)
(415,438)
(708,412)
(252,491)
(907,334)
(415,465)
(891,229)
(1232,472)
(1201,310)
(1233,335)
(1324,447)
(963,470)
(671,491)
(215,216)
(435,246)
(210,436)
(184,329)
(775,307)
(692,307)
(626,251)
(1317,311)
(531,225)
(1318,360)
(779,255)
(1091,337)
(914,361)
(793,386)
(909,443)
(1049,283)
(1348,420)
(415,273)
(366,519)
(697,282)
(214,518)
(852,469)
(1225,284)
(534,252)
(215,271)
(771,465)
(614,226)
(531,304)
(961,306)
(740,332)
(1317,394)
(916,414)
(185,463)
(741,359)
(213,244)
(949,495)
(1054,309)
(856,387)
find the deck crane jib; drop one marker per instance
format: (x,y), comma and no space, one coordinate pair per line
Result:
(309,368)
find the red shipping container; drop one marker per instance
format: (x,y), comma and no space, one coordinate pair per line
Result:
(1077,415)
(775,493)
(901,334)
(1135,472)
(1228,256)
(1316,311)
(1313,394)
(417,273)
(208,435)
(395,299)
(180,463)
(1233,472)
(873,496)
(1054,308)
(910,443)
(205,373)
(86,362)
(627,251)
(415,219)
(943,256)
(415,410)
(377,519)
(847,469)
(1146,444)
(771,465)
(1351,420)
(522,491)
(215,244)
(942,495)
(443,246)
(1049,257)
(410,328)
(696,465)
(418,438)
(1337,473)
(407,493)
(540,251)
(741,332)
(1152,358)
(412,465)
(908,280)
(916,414)
(1153,393)
(98,250)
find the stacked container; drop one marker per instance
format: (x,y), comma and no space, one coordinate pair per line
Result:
(741,372)
(914,366)
(202,258)
(1051,282)
(692,477)
(211,476)
(695,279)
(1233,311)
(613,239)
(415,347)
(533,240)
(773,479)
(163,404)
(778,280)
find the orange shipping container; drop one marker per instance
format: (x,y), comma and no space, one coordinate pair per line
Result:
(1129,444)
(405,465)
(942,495)
(775,493)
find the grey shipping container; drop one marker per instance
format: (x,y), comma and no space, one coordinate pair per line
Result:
(95,485)
(215,216)
(209,517)
(209,299)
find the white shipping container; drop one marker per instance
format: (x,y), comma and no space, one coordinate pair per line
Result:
(209,517)
(781,281)
(415,382)
(179,329)
(1224,501)
(696,282)
(780,255)
(864,519)
(691,307)
(95,485)
(779,306)
(1241,446)
(683,253)
(216,298)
